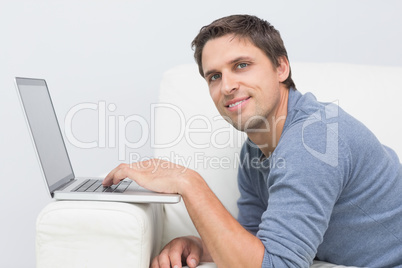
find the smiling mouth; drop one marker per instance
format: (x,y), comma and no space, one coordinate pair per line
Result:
(237,103)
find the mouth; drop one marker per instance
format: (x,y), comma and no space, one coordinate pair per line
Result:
(234,104)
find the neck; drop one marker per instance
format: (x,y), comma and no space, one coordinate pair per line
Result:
(267,139)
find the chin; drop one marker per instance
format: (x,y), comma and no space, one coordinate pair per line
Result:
(254,124)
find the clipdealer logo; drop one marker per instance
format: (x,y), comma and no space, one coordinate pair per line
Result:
(330,118)
(112,129)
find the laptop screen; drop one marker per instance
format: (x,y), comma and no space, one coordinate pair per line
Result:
(45,131)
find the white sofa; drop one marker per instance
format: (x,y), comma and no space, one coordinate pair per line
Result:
(189,131)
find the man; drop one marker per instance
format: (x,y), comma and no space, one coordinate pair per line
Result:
(338,197)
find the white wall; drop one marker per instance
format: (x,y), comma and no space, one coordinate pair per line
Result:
(115,52)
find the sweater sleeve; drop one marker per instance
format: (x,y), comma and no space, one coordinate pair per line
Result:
(302,193)
(250,206)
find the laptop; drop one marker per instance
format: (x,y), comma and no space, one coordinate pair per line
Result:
(55,162)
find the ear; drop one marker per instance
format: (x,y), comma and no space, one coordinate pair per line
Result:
(283,69)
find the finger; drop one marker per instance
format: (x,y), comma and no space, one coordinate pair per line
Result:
(184,249)
(120,174)
(193,259)
(194,251)
(163,260)
(175,258)
(171,255)
(110,178)
(192,262)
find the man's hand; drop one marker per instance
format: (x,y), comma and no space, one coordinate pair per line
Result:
(155,174)
(183,250)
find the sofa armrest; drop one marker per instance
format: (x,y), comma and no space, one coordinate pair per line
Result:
(98,234)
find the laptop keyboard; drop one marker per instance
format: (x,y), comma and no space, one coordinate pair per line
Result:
(94,185)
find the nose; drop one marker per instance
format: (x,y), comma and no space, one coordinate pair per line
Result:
(229,83)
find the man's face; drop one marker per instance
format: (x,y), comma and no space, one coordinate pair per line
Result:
(243,83)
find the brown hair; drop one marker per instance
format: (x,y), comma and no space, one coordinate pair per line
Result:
(260,32)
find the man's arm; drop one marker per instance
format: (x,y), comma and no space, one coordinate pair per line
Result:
(228,243)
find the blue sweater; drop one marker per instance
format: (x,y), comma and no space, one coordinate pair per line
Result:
(329,191)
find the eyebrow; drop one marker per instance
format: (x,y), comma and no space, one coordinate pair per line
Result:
(238,59)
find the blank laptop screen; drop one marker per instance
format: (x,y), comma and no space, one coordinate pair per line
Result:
(45,131)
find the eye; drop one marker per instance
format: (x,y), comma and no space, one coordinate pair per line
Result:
(241,65)
(215,77)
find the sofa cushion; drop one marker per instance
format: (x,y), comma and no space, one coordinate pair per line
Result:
(97,234)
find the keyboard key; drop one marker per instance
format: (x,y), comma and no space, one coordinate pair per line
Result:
(84,186)
(79,186)
(122,187)
(110,189)
(94,186)
(101,188)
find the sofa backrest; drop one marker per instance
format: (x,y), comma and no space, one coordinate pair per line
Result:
(372,94)
(189,131)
